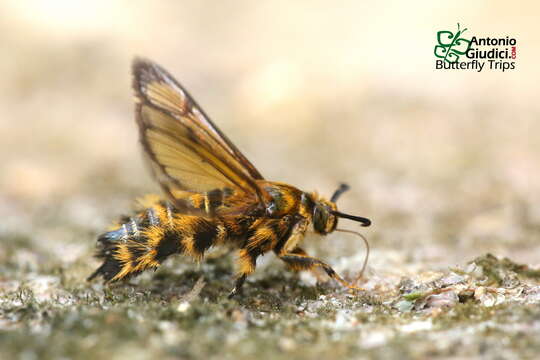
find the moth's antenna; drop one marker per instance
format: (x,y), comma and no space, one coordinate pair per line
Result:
(364,221)
(367,249)
(340,190)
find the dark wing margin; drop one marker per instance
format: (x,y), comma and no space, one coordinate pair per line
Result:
(186,151)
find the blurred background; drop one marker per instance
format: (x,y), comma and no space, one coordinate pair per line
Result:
(446,163)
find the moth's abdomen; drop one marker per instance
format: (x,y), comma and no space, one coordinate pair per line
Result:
(146,240)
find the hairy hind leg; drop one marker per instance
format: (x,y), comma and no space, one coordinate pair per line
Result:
(246,262)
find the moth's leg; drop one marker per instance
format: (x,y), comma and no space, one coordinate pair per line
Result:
(278,235)
(238,286)
(266,235)
(298,260)
(246,262)
(299,251)
(296,233)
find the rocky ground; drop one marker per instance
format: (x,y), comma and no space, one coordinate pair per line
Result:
(482,307)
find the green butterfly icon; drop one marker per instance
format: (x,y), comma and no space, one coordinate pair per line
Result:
(451,45)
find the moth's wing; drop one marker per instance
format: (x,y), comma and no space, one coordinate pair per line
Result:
(186,151)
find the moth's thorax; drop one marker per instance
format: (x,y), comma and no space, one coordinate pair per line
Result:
(282,199)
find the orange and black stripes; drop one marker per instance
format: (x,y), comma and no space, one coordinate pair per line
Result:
(146,240)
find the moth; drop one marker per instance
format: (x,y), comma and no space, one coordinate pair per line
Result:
(213,195)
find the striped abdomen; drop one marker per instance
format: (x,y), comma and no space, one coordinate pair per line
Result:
(147,239)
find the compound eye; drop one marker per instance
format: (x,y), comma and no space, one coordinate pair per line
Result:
(332,224)
(320,217)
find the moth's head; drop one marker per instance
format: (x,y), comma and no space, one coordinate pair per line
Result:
(325,215)
(324,221)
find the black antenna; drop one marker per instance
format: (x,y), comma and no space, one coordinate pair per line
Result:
(364,221)
(340,190)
